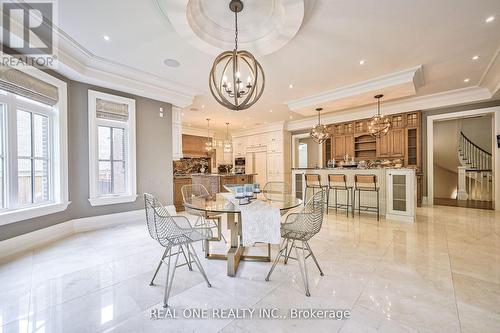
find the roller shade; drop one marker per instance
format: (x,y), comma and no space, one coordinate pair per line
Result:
(22,84)
(111,110)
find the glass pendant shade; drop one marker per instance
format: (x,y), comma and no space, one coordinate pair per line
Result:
(319,133)
(228,144)
(379,125)
(236,79)
(208,142)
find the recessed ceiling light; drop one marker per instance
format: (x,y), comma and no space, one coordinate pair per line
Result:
(466,80)
(203,106)
(362,62)
(271,110)
(291,117)
(183,113)
(290,86)
(475,57)
(106,38)
(171,63)
(490,19)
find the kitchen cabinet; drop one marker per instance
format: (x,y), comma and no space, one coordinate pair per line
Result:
(227,180)
(384,146)
(397,142)
(275,167)
(342,145)
(178,183)
(401,194)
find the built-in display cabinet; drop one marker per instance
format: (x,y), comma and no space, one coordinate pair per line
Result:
(401,194)
(352,138)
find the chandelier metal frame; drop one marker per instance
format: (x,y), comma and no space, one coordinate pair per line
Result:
(233,93)
(379,125)
(320,132)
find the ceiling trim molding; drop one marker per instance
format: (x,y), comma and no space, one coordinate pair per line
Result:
(443,99)
(271,127)
(413,75)
(491,75)
(78,63)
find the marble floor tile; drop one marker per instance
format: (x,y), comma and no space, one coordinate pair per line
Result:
(439,274)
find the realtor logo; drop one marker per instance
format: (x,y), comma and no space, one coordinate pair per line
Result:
(28,33)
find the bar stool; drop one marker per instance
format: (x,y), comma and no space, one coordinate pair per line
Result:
(338,182)
(313,181)
(366,183)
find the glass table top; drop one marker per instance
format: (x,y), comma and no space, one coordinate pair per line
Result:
(218,203)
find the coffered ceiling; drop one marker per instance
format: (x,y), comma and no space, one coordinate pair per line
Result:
(307,48)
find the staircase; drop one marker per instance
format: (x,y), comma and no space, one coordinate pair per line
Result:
(475,177)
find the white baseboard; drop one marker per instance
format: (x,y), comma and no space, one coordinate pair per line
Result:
(31,240)
(104,221)
(26,242)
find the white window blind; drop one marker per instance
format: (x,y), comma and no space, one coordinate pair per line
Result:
(25,85)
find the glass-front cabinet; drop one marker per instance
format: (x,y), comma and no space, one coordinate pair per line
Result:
(401,194)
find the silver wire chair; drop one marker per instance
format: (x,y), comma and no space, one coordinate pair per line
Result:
(301,227)
(171,231)
(203,218)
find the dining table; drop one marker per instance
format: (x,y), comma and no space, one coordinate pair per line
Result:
(220,204)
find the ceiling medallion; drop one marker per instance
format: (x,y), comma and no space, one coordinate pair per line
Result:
(230,67)
(379,125)
(319,133)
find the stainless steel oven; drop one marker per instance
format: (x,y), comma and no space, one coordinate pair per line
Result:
(239,165)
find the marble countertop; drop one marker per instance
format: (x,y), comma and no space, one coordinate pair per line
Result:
(213,175)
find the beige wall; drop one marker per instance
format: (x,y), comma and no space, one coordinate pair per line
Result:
(154,159)
(445,183)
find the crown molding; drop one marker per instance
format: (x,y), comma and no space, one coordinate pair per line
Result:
(412,79)
(491,76)
(78,63)
(443,99)
(271,127)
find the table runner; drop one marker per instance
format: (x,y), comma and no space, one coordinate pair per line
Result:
(260,222)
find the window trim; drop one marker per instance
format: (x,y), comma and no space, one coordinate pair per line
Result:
(59,150)
(131,195)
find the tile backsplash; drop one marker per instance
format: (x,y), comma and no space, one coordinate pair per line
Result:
(192,165)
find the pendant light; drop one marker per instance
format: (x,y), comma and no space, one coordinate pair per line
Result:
(208,143)
(319,133)
(379,125)
(230,68)
(228,144)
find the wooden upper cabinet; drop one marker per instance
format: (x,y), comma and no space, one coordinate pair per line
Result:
(349,144)
(384,146)
(397,142)
(360,126)
(342,145)
(398,121)
(193,146)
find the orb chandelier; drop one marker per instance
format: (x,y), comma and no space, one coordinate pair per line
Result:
(379,125)
(319,133)
(228,144)
(208,143)
(230,68)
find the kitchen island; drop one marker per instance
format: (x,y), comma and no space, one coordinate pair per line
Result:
(397,189)
(213,182)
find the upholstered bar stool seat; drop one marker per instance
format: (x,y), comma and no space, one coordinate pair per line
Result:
(366,183)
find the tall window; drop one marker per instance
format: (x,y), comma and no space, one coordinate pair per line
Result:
(111,149)
(2,158)
(33,150)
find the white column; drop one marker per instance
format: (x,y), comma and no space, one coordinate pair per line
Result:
(462,190)
(176,133)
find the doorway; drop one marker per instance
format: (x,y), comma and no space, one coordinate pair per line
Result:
(461,159)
